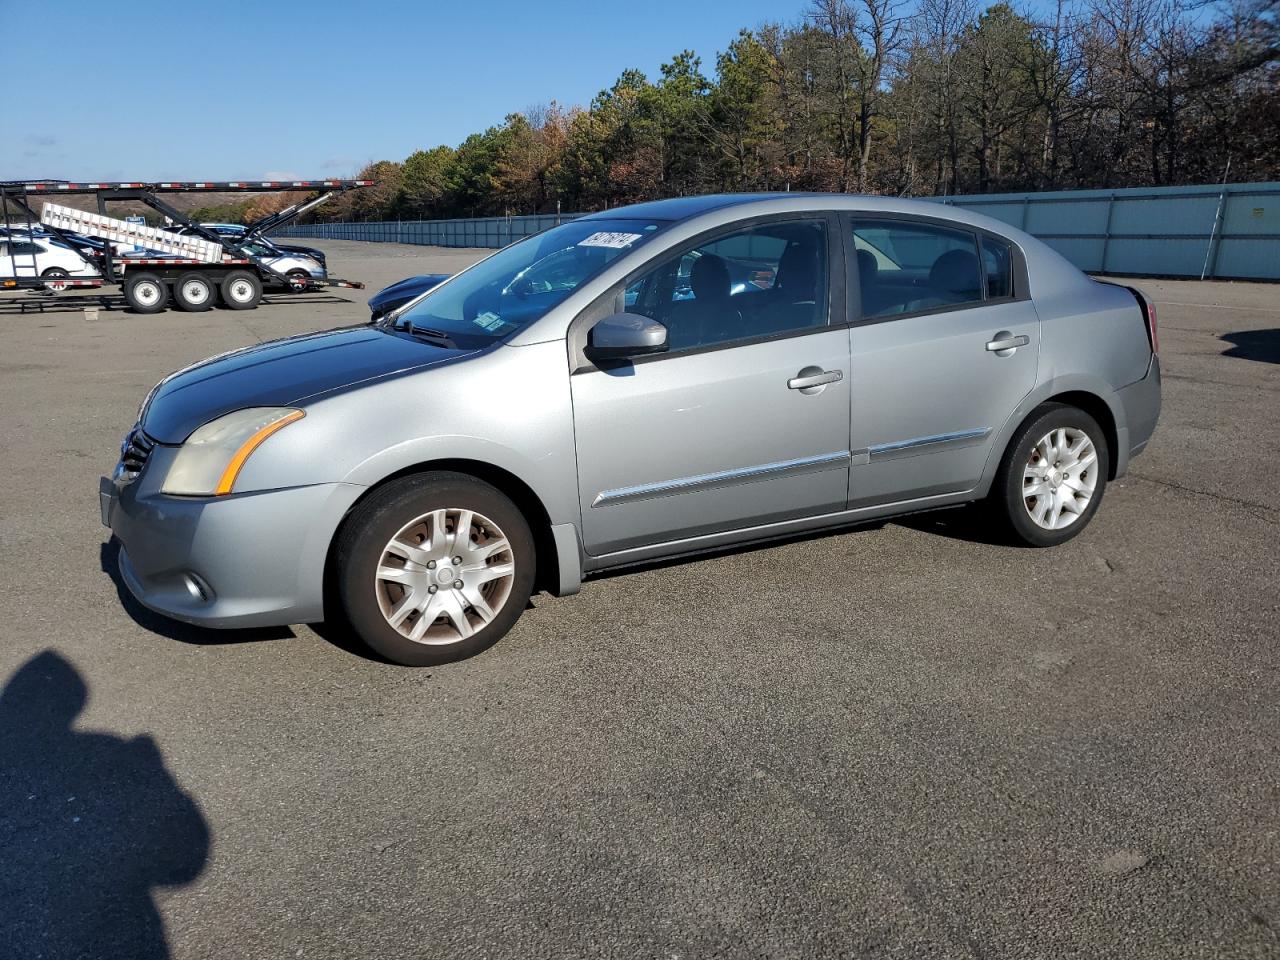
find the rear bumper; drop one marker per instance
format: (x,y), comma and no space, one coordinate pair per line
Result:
(1140,402)
(248,560)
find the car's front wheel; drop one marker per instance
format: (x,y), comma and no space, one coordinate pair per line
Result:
(1052,477)
(433,568)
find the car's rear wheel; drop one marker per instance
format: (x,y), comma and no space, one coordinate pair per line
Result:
(145,293)
(241,290)
(195,292)
(1053,476)
(434,568)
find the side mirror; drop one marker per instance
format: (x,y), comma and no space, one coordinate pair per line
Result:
(625,335)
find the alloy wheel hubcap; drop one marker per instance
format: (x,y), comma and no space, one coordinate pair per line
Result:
(1059,478)
(444,576)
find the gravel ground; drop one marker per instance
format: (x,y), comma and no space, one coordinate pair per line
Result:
(900,741)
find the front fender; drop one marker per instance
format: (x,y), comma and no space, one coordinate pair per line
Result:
(549,480)
(508,408)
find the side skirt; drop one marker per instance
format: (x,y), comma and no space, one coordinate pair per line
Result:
(772,531)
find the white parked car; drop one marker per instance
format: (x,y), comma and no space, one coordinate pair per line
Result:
(290,263)
(28,256)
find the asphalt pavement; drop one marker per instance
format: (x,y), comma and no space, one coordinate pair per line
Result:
(899,741)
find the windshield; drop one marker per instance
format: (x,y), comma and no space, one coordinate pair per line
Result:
(260,249)
(517,286)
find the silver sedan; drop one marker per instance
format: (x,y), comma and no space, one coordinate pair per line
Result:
(653,381)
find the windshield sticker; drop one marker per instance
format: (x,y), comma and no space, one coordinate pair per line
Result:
(615,241)
(488,320)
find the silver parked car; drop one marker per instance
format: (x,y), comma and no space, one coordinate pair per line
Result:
(648,382)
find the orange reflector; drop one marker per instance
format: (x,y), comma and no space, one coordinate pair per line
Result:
(233,468)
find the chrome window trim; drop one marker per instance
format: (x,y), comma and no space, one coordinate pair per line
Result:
(722,478)
(906,448)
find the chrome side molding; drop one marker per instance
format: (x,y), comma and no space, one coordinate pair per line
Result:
(724,478)
(907,448)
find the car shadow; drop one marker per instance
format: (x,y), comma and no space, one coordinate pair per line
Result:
(732,550)
(1260,345)
(153,622)
(339,633)
(90,824)
(967,522)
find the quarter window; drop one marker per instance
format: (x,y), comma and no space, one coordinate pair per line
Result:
(914,267)
(997,261)
(768,280)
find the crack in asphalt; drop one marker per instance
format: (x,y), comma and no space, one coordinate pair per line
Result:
(1221,383)
(1235,501)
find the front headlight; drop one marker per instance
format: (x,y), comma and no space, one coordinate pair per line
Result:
(209,462)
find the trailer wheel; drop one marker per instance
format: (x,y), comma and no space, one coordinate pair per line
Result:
(241,290)
(194,292)
(145,293)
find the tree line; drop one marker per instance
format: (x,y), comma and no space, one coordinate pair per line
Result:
(860,96)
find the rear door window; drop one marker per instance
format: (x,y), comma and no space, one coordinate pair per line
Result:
(906,267)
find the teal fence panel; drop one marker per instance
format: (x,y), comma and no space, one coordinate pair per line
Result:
(489,232)
(1227,231)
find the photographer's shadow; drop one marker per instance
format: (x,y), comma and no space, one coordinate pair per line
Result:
(90,825)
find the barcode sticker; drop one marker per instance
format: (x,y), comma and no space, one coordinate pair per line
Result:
(615,241)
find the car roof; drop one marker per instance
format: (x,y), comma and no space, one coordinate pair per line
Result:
(683,208)
(733,206)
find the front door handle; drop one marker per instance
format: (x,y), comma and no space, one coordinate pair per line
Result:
(1004,343)
(811,380)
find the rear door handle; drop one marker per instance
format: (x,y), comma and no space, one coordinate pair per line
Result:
(813,379)
(1005,342)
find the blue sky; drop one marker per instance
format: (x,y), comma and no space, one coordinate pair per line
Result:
(181,90)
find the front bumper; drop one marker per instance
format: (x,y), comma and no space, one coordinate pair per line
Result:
(246,560)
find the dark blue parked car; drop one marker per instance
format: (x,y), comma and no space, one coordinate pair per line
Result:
(398,294)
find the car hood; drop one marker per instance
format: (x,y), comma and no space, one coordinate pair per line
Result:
(282,373)
(407,289)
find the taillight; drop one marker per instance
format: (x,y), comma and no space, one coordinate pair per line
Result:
(1148,308)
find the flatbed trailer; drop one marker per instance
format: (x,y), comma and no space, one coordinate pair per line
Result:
(218,267)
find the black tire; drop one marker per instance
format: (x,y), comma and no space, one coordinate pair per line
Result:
(297,275)
(145,293)
(55,273)
(195,292)
(241,290)
(1008,500)
(379,518)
